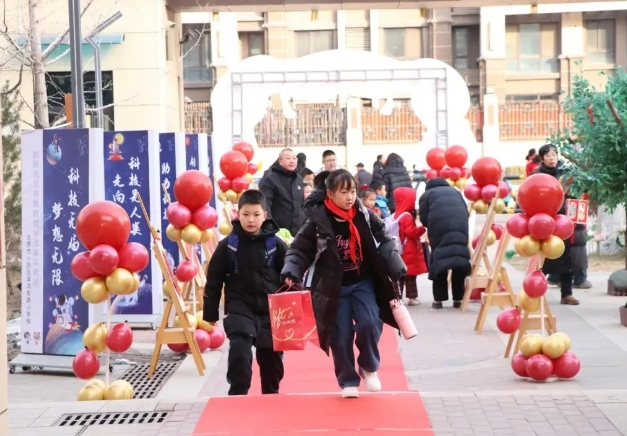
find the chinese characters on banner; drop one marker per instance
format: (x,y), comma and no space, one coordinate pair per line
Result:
(191,163)
(212,202)
(168,160)
(126,177)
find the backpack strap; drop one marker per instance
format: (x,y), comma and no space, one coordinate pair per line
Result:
(271,249)
(232,243)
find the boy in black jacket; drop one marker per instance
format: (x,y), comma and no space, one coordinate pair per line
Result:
(248,263)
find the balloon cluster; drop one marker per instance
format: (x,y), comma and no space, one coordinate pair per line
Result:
(109,268)
(238,171)
(448,164)
(541,358)
(487,172)
(208,336)
(494,234)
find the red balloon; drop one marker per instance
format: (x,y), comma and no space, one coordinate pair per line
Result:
(80,267)
(541,226)
(103,222)
(472,192)
(486,171)
(497,229)
(178,215)
(445,173)
(475,294)
(85,364)
(193,189)
(540,193)
(252,168)
(519,365)
(233,164)
(465,172)
(455,174)
(539,367)
(518,225)
(224,183)
(535,284)
(475,242)
(103,259)
(431,174)
(564,226)
(179,348)
(508,320)
(133,257)
(205,218)
(435,158)
(240,184)
(455,156)
(503,190)
(245,148)
(120,337)
(217,338)
(203,339)
(567,365)
(488,192)
(186,271)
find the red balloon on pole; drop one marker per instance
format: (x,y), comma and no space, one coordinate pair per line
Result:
(445,173)
(539,367)
(178,215)
(497,229)
(436,159)
(472,192)
(86,364)
(103,259)
(224,183)
(193,189)
(134,257)
(205,218)
(431,174)
(455,174)
(567,365)
(217,337)
(486,171)
(233,164)
(80,267)
(518,225)
(120,337)
(455,156)
(508,321)
(103,222)
(540,193)
(564,226)
(535,284)
(541,226)
(203,339)
(252,168)
(245,148)
(519,365)
(488,192)
(240,184)
(179,348)
(503,190)
(186,271)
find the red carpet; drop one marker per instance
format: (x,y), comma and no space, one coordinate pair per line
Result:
(321,410)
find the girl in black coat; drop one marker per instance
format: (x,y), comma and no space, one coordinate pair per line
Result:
(349,276)
(395,176)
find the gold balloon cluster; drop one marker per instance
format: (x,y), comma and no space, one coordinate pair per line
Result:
(191,234)
(224,228)
(552,347)
(460,183)
(551,247)
(97,390)
(481,207)
(95,290)
(195,322)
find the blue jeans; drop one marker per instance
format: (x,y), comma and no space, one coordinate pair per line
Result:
(357,303)
(579,277)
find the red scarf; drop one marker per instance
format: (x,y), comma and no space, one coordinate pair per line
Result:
(354,239)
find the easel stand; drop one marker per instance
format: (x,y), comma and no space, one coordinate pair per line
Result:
(166,334)
(543,321)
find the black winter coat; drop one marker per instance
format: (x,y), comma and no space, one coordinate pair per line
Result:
(575,257)
(245,293)
(395,176)
(284,195)
(444,213)
(314,249)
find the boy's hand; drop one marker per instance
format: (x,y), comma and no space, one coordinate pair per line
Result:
(289,282)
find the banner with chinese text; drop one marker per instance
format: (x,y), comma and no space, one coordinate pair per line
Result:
(59,177)
(131,170)
(196,159)
(210,172)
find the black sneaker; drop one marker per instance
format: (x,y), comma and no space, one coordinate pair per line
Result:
(436,305)
(457,304)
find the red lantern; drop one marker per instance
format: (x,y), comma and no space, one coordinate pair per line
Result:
(193,189)
(472,192)
(431,174)
(539,367)
(233,164)
(205,218)
(186,271)
(564,226)
(103,259)
(435,158)
(133,257)
(203,339)
(456,156)
(540,193)
(240,184)
(80,267)
(103,222)
(179,348)
(541,226)
(217,337)
(497,229)
(508,321)
(503,190)
(518,225)
(488,192)
(120,337)
(455,174)
(178,215)
(535,284)
(85,364)
(252,168)
(486,171)
(245,148)
(224,183)
(567,365)
(445,173)
(519,365)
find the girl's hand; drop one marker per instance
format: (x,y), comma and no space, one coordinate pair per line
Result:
(289,282)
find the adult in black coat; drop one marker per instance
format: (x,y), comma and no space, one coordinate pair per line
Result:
(444,213)
(395,176)
(283,189)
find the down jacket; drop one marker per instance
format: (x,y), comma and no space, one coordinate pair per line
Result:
(395,176)
(283,190)
(409,233)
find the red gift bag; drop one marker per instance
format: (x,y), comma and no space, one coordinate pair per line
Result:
(292,320)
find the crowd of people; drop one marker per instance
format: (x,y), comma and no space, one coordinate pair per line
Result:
(359,243)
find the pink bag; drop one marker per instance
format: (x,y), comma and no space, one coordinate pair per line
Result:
(403,319)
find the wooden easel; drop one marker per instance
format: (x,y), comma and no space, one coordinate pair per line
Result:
(497,273)
(543,321)
(166,334)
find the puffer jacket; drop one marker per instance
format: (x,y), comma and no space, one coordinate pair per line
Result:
(395,176)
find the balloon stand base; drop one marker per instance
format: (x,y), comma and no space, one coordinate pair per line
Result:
(44,363)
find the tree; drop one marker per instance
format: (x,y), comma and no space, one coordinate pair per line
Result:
(597,144)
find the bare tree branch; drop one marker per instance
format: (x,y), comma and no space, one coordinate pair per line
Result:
(59,39)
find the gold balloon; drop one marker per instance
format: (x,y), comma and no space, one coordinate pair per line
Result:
(206,235)
(191,234)
(530,345)
(191,319)
(450,183)
(91,393)
(95,337)
(527,246)
(527,303)
(120,282)
(259,164)
(553,247)
(564,338)
(491,239)
(224,228)
(499,206)
(461,183)
(98,383)
(553,347)
(202,324)
(230,195)
(221,196)
(173,233)
(249,177)
(116,392)
(481,207)
(94,290)
(128,388)
(136,282)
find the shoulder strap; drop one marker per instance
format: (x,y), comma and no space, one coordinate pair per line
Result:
(232,242)
(271,249)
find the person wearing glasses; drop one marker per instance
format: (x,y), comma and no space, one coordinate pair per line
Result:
(329,162)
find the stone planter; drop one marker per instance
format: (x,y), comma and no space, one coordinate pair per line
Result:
(617,284)
(623,315)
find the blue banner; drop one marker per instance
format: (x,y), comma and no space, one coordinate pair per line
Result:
(167,156)
(126,177)
(191,152)
(65,188)
(212,202)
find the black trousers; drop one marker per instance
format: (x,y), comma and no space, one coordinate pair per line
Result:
(566,284)
(240,366)
(440,285)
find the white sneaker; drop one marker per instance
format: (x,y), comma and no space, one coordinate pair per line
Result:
(350,392)
(413,302)
(371,381)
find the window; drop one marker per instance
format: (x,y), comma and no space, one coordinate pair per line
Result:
(531,48)
(314,42)
(600,36)
(394,40)
(197,58)
(255,44)
(460,48)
